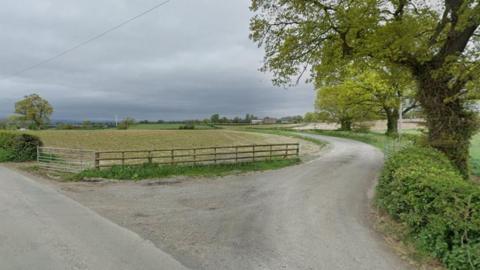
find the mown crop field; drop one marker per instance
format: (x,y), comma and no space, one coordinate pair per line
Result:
(152,139)
(167,126)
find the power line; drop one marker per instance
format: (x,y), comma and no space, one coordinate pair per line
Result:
(83,43)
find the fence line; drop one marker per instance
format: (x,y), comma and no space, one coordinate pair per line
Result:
(77,160)
(201,155)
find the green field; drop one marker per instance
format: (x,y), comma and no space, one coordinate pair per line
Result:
(167,126)
(151,139)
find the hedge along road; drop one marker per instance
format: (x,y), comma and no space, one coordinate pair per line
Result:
(311,216)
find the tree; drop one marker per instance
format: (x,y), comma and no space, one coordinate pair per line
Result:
(310,117)
(87,124)
(385,89)
(215,118)
(437,41)
(345,105)
(34,109)
(126,123)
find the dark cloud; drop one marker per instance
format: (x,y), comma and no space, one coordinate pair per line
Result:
(188,59)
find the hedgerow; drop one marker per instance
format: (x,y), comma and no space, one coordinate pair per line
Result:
(421,188)
(18,146)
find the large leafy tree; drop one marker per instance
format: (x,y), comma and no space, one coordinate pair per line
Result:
(437,41)
(34,109)
(387,90)
(345,104)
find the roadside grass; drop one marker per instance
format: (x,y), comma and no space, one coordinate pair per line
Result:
(168,126)
(396,235)
(153,171)
(151,139)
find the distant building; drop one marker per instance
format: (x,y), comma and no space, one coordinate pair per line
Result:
(268,120)
(256,122)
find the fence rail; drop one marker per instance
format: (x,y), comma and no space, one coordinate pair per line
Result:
(76,160)
(203,155)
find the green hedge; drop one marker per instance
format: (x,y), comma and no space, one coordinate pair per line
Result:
(18,146)
(420,188)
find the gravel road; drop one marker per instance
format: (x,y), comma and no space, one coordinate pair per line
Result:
(310,216)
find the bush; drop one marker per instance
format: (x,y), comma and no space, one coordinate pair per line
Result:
(187,126)
(420,188)
(18,147)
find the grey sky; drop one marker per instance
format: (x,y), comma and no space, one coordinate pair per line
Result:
(188,59)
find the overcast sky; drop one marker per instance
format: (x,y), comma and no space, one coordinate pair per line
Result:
(188,59)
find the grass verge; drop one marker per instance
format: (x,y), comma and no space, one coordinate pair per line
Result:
(152,171)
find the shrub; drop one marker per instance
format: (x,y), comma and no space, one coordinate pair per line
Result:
(187,126)
(18,147)
(420,188)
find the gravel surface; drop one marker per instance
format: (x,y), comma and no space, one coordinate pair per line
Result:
(42,229)
(311,216)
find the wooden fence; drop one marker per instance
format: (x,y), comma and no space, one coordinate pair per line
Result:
(206,155)
(76,160)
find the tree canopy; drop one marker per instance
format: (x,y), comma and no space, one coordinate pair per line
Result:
(35,110)
(436,41)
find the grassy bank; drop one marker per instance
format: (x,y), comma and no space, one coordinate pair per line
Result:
(153,171)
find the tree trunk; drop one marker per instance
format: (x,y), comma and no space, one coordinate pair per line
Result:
(346,124)
(450,124)
(392,121)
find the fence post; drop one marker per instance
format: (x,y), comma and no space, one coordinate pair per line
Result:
(123,159)
(97,160)
(38,154)
(254,153)
(215,154)
(236,154)
(150,157)
(271,152)
(172,156)
(298,150)
(194,156)
(286,151)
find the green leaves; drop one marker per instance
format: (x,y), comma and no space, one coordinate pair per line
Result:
(34,109)
(420,188)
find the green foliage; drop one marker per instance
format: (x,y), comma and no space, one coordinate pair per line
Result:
(187,126)
(35,110)
(436,41)
(18,147)
(5,155)
(215,118)
(421,188)
(126,123)
(149,171)
(345,105)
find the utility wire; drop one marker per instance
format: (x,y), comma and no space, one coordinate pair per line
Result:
(83,43)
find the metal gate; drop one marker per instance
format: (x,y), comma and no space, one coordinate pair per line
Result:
(65,160)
